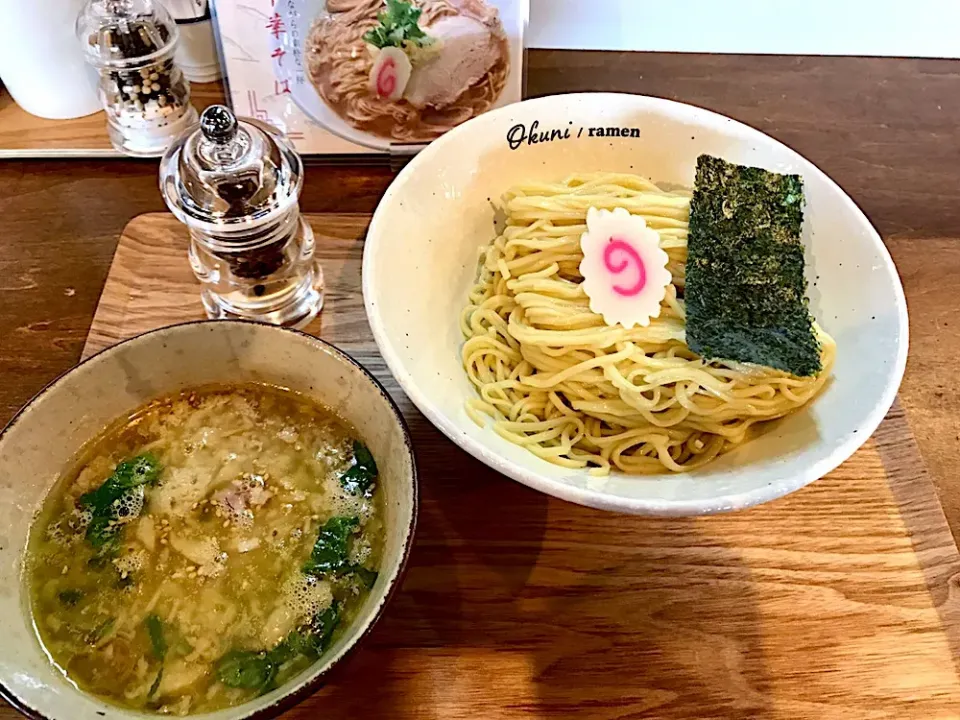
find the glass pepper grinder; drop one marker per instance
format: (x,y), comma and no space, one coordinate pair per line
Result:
(235,182)
(144,93)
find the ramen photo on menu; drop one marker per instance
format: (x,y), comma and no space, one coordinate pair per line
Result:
(346,77)
(408,70)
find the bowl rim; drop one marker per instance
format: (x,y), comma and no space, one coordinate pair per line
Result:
(286,700)
(725,502)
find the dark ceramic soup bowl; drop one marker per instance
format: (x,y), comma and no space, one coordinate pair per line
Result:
(43,439)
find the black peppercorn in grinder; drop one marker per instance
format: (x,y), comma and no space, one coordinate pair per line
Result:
(143,92)
(235,183)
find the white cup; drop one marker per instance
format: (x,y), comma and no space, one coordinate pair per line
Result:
(41,63)
(197,51)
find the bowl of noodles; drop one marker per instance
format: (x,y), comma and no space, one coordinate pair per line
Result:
(741,333)
(389,74)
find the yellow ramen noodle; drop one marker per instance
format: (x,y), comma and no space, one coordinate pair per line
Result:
(556,379)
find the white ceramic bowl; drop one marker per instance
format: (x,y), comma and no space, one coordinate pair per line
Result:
(43,438)
(421,255)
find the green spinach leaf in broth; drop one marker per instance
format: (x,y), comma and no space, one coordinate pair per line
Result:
(361,476)
(289,647)
(101,631)
(258,669)
(69,597)
(159,643)
(310,640)
(156,683)
(142,470)
(157,640)
(323,625)
(331,551)
(247,670)
(110,503)
(366,577)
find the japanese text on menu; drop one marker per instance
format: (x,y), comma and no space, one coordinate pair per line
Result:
(283,38)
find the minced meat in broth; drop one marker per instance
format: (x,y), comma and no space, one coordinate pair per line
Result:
(206,550)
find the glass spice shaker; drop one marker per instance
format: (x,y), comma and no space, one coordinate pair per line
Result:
(144,93)
(235,182)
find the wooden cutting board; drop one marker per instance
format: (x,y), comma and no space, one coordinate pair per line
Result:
(839,601)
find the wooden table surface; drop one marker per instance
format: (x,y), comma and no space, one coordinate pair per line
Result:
(23,135)
(884,129)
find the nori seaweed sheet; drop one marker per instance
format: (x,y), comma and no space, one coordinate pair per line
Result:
(745,288)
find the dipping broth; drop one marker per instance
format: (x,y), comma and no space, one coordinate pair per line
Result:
(205,550)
